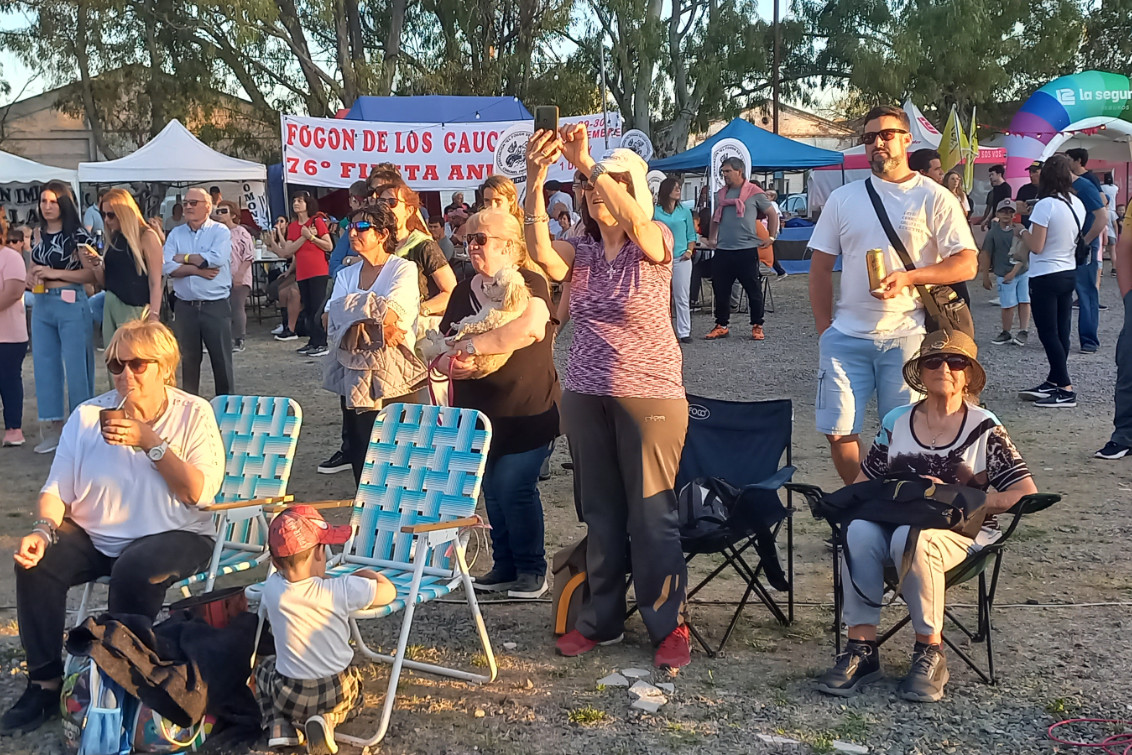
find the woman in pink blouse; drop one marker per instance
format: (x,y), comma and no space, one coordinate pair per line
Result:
(623,407)
(243,255)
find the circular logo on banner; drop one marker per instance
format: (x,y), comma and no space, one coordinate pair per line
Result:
(723,150)
(511,151)
(654,179)
(639,142)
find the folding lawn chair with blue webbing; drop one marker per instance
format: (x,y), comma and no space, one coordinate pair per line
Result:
(259,434)
(411,519)
(744,444)
(975,566)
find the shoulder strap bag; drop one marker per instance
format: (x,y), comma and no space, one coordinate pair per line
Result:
(1082,251)
(943,308)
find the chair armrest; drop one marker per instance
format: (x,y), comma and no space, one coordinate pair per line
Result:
(277,501)
(1027,504)
(339,504)
(812,493)
(468,521)
(775,481)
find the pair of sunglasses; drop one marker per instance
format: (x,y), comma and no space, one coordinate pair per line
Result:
(359,226)
(107,215)
(137,366)
(887,134)
(389,201)
(955,362)
(191,202)
(479,239)
(222,210)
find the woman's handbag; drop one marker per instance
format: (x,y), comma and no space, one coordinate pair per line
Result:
(943,308)
(1082,252)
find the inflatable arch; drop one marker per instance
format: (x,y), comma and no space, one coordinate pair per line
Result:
(1085,100)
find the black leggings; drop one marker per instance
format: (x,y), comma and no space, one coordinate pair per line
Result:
(313,293)
(727,266)
(1051,305)
(139,578)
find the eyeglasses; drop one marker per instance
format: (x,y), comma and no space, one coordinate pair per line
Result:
(479,239)
(137,366)
(107,215)
(585,184)
(191,202)
(955,362)
(389,201)
(888,134)
(359,226)
(222,211)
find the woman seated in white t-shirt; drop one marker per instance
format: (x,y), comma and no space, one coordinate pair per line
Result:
(373,238)
(122,500)
(1055,222)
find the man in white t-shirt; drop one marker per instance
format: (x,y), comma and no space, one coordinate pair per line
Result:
(863,348)
(310,682)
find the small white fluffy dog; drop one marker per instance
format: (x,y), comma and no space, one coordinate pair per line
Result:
(507,297)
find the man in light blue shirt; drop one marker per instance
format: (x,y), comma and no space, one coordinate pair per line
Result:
(1096,224)
(198,259)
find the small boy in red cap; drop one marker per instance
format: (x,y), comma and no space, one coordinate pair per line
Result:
(310,682)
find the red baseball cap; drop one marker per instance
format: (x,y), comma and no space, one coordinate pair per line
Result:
(300,528)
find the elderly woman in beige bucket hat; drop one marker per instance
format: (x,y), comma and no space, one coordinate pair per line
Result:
(948,438)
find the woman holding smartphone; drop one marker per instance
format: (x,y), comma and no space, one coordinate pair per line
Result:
(61,324)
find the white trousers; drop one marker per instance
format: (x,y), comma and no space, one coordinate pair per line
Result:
(681,285)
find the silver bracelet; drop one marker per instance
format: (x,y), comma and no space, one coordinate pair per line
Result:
(48,535)
(532,219)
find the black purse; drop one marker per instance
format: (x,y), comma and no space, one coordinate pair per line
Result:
(1081,251)
(943,308)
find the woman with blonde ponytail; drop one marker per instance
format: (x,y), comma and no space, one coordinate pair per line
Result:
(130,269)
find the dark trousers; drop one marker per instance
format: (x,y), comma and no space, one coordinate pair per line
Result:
(358,426)
(1051,305)
(1122,420)
(312,291)
(728,266)
(625,452)
(514,510)
(12,383)
(205,323)
(139,578)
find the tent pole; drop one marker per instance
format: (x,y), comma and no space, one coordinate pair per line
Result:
(604,104)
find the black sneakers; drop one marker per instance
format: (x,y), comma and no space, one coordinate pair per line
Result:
(1042,391)
(287,335)
(495,581)
(35,706)
(1112,450)
(857,666)
(928,675)
(335,464)
(1058,399)
(528,586)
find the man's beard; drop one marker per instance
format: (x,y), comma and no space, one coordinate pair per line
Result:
(881,163)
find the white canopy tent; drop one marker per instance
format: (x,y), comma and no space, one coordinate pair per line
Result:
(174,155)
(20,170)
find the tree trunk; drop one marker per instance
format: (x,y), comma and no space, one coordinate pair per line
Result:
(362,74)
(153,84)
(342,52)
(392,48)
(82,60)
(317,102)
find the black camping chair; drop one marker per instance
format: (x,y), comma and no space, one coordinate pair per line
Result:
(974,566)
(742,443)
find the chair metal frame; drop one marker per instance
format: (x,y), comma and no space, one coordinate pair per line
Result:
(974,566)
(412,518)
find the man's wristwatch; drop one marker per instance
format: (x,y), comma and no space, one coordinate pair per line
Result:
(157,453)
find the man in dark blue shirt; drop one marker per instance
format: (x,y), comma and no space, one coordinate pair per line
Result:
(1096,222)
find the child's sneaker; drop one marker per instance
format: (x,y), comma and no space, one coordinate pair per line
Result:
(320,737)
(1002,338)
(1021,338)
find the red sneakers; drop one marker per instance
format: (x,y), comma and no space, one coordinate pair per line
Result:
(676,650)
(717,332)
(757,332)
(574,643)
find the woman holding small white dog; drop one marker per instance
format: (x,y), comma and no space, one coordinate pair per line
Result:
(624,408)
(520,398)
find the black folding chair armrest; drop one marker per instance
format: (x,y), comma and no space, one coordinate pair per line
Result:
(775,481)
(812,493)
(1028,504)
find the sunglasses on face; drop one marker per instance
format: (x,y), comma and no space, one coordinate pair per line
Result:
(955,362)
(222,211)
(479,239)
(192,202)
(389,201)
(137,366)
(107,215)
(887,134)
(586,184)
(359,226)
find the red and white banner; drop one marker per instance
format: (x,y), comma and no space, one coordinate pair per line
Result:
(334,153)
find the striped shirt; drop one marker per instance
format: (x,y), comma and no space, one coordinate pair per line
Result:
(623,343)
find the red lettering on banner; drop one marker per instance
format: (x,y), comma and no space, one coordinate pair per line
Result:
(369,140)
(430,173)
(318,137)
(382,141)
(456,173)
(413,142)
(426,142)
(292,165)
(346,168)
(291,129)
(398,147)
(492,139)
(477,172)
(464,145)
(412,170)
(304,136)
(449,141)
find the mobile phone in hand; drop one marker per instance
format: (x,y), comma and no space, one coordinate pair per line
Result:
(546,118)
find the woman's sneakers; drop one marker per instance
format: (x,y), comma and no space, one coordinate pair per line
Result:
(1058,399)
(927,676)
(494,581)
(853,669)
(320,737)
(528,587)
(36,706)
(1112,450)
(676,649)
(1035,394)
(574,643)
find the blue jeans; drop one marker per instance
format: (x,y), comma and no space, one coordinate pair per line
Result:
(851,370)
(1088,316)
(97,304)
(63,347)
(514,509)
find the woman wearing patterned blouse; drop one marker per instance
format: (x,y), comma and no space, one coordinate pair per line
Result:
(623,408)
(947,438)
(61,325)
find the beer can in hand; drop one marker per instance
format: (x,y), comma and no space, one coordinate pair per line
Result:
(874,262)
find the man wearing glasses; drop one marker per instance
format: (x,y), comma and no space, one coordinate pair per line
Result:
(864,347)
(198,259)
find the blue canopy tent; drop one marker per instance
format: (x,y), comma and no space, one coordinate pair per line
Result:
(768,152)
(438,108)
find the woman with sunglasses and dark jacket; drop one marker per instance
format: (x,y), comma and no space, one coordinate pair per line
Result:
(123,500)
(623,408)
(61,325)
(308,241)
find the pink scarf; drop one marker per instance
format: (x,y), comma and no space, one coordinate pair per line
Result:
(746,191)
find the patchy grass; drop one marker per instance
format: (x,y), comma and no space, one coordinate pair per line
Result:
(853,726)
(587,715)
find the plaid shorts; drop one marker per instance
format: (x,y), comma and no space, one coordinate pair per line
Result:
(284,702)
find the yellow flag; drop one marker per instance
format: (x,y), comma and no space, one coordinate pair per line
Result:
(972,154)
(951,145)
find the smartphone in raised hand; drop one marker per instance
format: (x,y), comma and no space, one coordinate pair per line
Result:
(546,118)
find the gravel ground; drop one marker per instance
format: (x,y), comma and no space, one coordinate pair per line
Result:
(1054,662)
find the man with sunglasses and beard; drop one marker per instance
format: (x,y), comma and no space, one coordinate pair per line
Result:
(864,347)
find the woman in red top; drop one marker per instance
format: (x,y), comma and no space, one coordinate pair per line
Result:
(308,241)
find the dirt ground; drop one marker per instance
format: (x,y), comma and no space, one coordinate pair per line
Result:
(1060,624)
